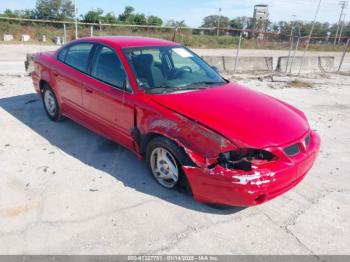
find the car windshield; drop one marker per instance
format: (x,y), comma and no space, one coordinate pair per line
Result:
(167,69)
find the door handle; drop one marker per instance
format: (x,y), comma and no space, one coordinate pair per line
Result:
(88,90)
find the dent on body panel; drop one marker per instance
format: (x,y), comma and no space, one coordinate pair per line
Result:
(200,143)
(45,76)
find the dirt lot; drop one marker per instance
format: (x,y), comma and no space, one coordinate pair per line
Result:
(66,190)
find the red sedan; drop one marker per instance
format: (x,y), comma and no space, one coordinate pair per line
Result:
(226,143)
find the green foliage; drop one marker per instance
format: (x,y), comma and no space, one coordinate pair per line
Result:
(64,10)
(154,20)
(213,20)
(127,15)
(8,13)
(130,17)
(139,19)
(54,9)
(110,18)
(242,22)
(93,16)
(320,29)
(174,23)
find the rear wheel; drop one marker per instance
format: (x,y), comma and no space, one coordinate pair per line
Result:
(51,105)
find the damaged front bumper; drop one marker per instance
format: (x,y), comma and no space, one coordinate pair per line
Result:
(249,188)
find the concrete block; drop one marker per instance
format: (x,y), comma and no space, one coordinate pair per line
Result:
(217,61)
(8,38)
(25,38)
(58,40)
(28,63)
(310,64)
(248,64)
(326,63)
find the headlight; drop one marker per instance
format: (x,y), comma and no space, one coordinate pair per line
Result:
(244,158)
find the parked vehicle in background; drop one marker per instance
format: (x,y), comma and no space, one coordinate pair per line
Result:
(228,144)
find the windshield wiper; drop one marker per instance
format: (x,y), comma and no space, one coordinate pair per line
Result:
(183,88)
(158,89)
(206,83)
(194,86)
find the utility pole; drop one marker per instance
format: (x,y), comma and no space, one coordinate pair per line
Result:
(342,6)
(295,50)
(310,35)
(341,29)
(64,34)
(219,17)
(291,41)
(76,20)
(237,54)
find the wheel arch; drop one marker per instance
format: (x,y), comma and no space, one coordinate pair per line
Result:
(42,84)
(147,138)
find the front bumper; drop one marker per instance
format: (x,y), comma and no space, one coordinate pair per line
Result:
(242,188)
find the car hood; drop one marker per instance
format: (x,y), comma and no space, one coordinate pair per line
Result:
(246,117)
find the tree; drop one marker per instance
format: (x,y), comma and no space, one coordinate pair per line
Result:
(54,9)
(212,21)
(242,22)
(93,16)
(154,20)
(25,13)
(139,19)
(110,18)
(67,9)
(174,23)
(275,28)
(8,13)
(97,15)
(130,17)
(127,15)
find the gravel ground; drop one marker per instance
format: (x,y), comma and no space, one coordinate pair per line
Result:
(66,190)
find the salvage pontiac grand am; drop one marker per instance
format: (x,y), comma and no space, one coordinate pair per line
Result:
(226,143)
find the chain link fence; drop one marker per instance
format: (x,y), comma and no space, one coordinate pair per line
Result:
(50,31)
(60,32)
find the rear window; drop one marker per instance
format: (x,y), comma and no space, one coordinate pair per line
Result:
(78,56)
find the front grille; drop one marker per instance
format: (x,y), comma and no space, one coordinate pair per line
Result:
(292,150)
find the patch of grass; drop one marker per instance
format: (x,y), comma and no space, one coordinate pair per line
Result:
(300,84)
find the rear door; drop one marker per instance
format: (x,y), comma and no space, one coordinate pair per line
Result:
(70,77)
(107,97)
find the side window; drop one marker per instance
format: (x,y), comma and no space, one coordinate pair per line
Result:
(108,68)
(62,54)
(78,56)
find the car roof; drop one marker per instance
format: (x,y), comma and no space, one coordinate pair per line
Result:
(128,41)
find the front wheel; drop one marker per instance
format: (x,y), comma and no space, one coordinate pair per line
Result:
(164,167)
(164,159)
(51,105)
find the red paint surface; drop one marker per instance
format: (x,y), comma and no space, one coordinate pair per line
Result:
(204,122)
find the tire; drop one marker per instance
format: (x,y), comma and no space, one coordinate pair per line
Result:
(51,106)
(174,155)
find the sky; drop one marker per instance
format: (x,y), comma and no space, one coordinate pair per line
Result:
(193,11)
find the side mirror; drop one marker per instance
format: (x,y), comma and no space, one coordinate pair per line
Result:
(216,69)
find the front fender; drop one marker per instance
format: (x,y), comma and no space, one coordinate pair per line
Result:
(202,144)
